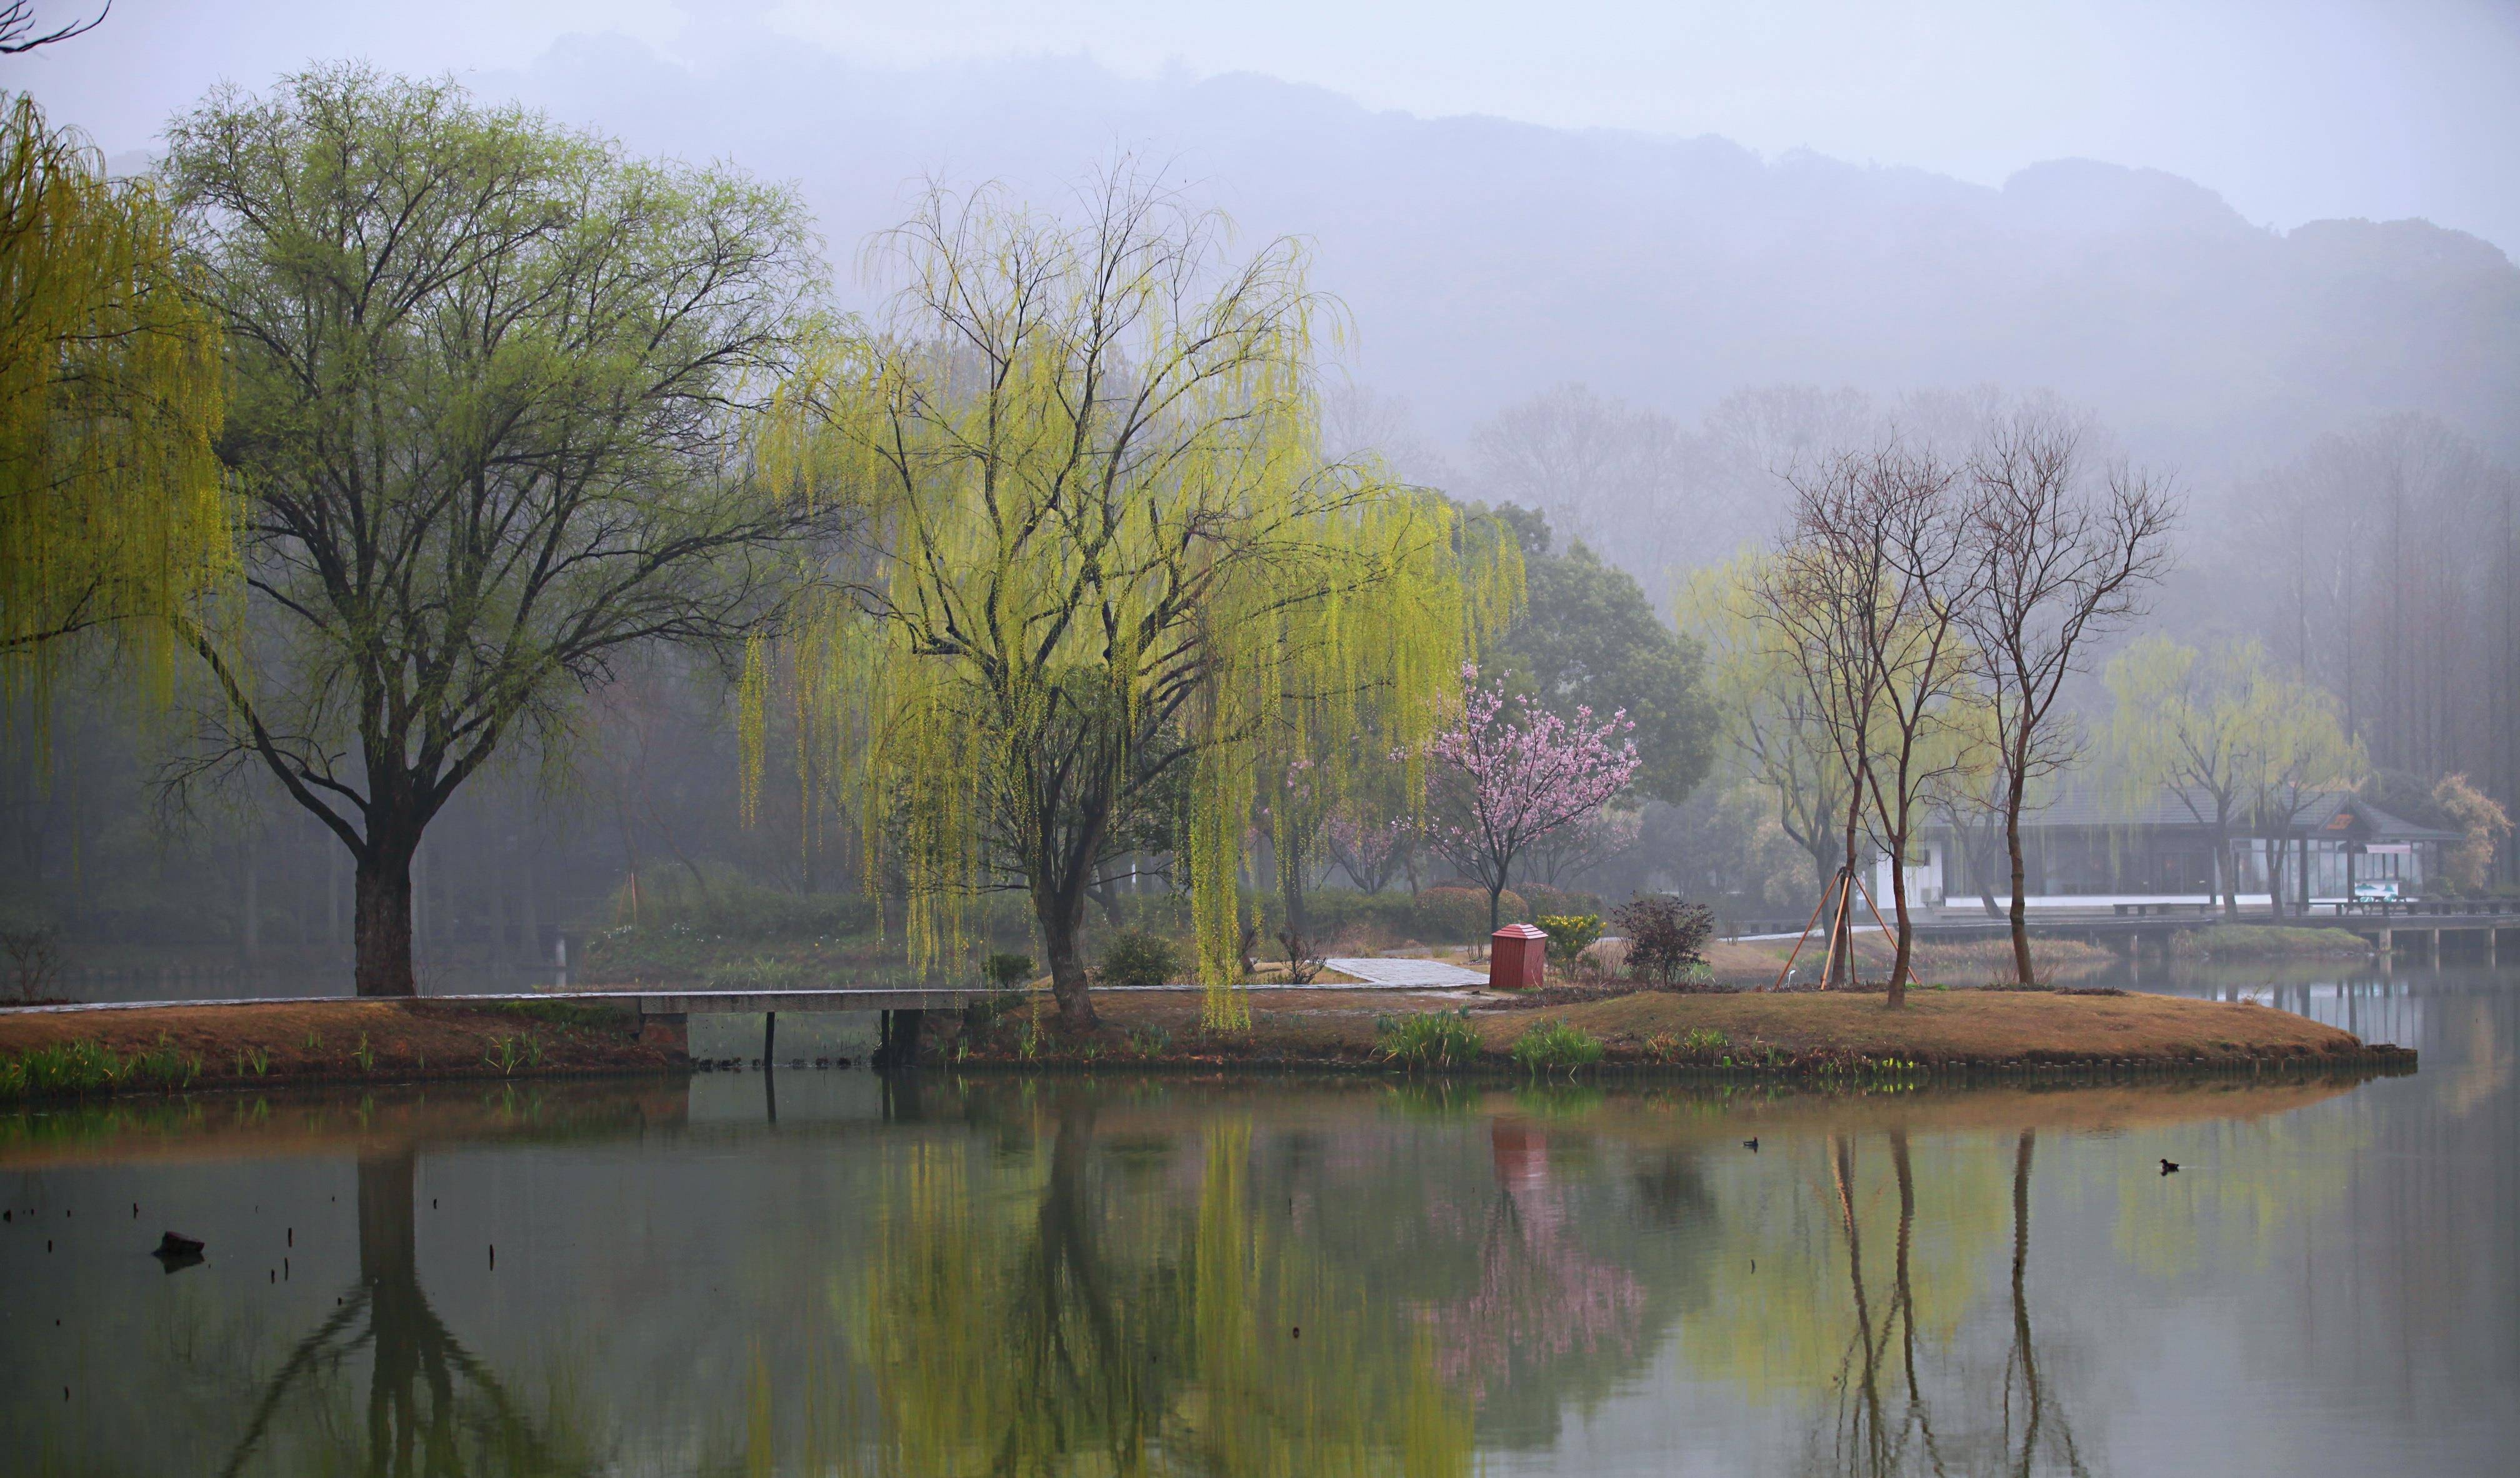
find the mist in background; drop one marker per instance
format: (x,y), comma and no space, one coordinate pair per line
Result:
(1623,264)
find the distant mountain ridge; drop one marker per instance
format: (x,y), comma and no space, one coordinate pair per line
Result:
(1485,259)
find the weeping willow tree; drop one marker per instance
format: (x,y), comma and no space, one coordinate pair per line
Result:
(1108,564)
(111,506)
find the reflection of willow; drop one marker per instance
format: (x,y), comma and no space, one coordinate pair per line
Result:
(1050,1333)
(432,1407)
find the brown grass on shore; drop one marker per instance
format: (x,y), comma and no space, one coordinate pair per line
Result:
(352,1040)
(1936,1027)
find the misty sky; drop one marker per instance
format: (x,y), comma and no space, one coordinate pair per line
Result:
(2293,109)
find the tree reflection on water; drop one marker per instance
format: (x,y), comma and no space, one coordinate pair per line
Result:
(1150,1280)
(431,1408)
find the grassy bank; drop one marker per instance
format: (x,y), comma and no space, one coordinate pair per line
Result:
(1787,1032)
(45,1055)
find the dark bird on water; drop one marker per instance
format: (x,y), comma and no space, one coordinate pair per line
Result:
(1751,1145)
(2169,1167)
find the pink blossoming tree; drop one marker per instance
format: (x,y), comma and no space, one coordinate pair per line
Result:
(1512,774)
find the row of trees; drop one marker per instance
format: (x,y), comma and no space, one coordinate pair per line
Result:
(1909,640)
(1044,567)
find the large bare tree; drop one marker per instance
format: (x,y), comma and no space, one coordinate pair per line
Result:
(1867,591)
(2065,555)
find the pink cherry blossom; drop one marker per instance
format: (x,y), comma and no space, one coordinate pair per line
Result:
(1511,773)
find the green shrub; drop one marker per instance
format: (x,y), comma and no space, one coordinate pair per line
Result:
(1700,1044)
(1540,899)
(1570,935)
(1429,1038)
(559,1014)
(1136,957)
(1549,1045)
(1006,972)
(1666,937)
(1460,915)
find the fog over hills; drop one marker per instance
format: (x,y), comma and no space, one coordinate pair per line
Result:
(1486,261)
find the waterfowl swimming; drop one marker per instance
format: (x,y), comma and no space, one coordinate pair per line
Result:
(2169,1167)
(1750,1145)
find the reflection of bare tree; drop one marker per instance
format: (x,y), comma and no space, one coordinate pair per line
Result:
(432,1407)
(2039,1423)
(1865,1436)
(1865,1441)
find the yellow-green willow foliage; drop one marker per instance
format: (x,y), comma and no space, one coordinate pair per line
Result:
(2233,741)
(111,503)
(1107,560)
(1024,1316)
(1772,732)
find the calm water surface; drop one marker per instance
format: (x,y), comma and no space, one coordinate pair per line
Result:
(1171,1277)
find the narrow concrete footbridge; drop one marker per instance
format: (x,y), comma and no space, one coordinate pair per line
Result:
(2147,925)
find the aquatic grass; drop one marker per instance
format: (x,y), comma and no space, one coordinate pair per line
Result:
(504,1054)
(1549,1045)
(1150,1040)
(63,1070)
(166,1067)
(252,1060)
(1428,1040)
(364,1055)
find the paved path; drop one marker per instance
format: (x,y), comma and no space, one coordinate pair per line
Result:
(1423,972)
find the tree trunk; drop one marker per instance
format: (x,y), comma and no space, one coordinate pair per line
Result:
(2224,882)
(1496,905)
(382,921)
(1899,911)
(2023,971)
(1062,921)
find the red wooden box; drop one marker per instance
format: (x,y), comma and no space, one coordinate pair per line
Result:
(1517,958)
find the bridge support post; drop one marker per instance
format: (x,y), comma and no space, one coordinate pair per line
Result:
(768,1039)
(897,1040)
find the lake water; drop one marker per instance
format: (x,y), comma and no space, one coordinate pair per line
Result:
(822,1273)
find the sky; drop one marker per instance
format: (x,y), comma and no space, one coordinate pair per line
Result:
(2292,109)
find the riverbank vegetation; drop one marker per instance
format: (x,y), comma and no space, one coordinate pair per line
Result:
(1556,1033)
(167,1048)
(1789,1032)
